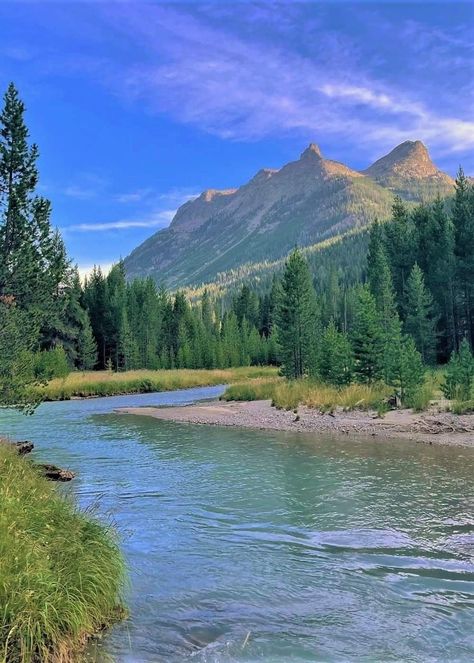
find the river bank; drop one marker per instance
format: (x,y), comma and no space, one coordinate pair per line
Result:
(431,427)
(229,530)
(96,384)
(61,570)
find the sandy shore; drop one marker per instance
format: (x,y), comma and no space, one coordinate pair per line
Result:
(429,427)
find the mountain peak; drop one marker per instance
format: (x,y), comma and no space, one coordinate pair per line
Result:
(311,151)
(411,149)
(303,203)
(410,160)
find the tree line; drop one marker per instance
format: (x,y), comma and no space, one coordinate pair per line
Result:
(406,302)
(414,308)
(138,325)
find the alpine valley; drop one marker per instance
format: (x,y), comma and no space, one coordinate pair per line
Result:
(305,203)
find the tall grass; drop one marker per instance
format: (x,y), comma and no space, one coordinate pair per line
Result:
(462,407)
(107,383)
(61,572)
(288,395)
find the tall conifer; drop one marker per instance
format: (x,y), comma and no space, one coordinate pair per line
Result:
(296,318)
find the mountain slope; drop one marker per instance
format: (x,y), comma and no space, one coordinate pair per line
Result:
(304,202)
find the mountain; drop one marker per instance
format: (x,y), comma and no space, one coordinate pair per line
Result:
(408,171)
(303,203)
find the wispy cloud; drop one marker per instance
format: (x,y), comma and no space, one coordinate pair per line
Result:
(176,196)
(87,186)
(156,220)
(246,87)
(159,215)
(132,196)
(74,191)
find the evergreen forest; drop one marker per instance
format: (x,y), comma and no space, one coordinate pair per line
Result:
(378,306)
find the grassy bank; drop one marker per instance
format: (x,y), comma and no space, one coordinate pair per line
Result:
(107,383)
(61,572)
(289,394)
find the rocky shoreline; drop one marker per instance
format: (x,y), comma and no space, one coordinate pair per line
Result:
(431,427)
(51,472)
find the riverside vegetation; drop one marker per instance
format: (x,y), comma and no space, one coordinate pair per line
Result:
(61,572)
(348,343)
(110,383)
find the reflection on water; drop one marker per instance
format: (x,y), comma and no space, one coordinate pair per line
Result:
(256,546)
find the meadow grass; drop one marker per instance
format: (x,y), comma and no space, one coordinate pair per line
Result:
(108,383)
(61,571)
(289,394)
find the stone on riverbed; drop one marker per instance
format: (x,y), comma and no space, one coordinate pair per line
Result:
(54,473)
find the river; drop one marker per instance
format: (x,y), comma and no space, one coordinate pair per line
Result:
(274,547)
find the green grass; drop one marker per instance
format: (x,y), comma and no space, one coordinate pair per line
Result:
(61,572)
(107,383)
(462,407)
(288,395)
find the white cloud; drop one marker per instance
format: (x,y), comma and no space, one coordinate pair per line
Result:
(246,87)
(87,186)
(155,220)
(160,216)
(81,193)
(133,196)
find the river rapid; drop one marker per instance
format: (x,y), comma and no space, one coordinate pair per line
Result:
(261,546)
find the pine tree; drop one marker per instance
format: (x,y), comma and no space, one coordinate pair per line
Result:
(96,298)
(435,256)
(231,341)
(18,179)
(296,318)
(463,221)
(408,372)
(332,298)
(245,305)
(367,338)
(116,320)
(419,320)
(381,286)
(459,378)
(206,312)
(87,346)
(32,255)
(336,361)
(400,246)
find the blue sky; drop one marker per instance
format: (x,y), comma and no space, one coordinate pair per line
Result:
(137,107)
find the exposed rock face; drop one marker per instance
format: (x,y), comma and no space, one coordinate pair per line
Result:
(301,203)
(409,171)
(194,213)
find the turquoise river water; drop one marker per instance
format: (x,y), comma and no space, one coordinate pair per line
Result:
(260,546)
